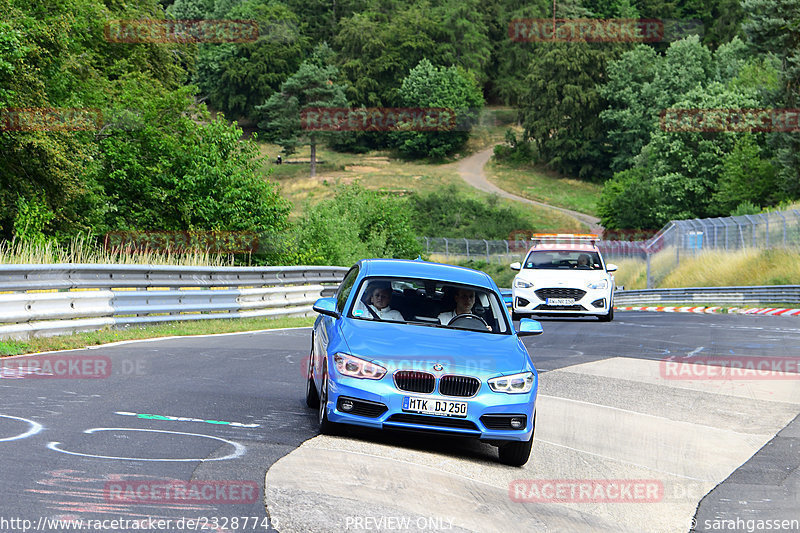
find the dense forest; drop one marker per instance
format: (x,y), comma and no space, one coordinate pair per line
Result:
(167,150)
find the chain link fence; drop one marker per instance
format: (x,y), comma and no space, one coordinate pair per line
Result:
(659,254)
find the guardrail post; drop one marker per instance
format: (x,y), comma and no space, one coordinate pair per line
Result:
(466,241)
(487,249)
(446,248)
(649,277)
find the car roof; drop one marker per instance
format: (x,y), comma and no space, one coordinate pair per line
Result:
(424,270)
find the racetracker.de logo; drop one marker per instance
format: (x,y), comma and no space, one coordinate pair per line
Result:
(181,31)
(730,368)
(213,242)
(586,30)
(586,490)
(56,367)
(378,119)
(178,491)
(730,120)
(50,119)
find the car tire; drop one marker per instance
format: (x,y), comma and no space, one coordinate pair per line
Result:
(607,317)
(312,396)
(326,427)
(517,453)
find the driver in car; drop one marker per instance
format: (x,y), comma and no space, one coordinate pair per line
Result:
(465,300)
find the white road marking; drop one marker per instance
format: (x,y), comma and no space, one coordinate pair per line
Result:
(33,430)
(239,450)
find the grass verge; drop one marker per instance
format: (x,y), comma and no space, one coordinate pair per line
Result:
(776,266)
(545,186)
(168,329)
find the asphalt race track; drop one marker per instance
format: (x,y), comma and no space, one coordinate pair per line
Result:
(224,416)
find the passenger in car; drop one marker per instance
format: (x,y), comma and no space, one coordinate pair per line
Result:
(379,296)
(584,261)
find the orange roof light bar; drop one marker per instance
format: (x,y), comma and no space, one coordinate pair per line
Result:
(574,236)
(565,237)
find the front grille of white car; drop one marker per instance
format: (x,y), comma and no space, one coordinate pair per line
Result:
(559,292)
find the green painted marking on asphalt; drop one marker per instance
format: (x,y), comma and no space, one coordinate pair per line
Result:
(147,416)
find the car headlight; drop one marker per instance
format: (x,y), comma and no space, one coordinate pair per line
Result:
(513,384)
(522,284)
(351,366)
(602,284)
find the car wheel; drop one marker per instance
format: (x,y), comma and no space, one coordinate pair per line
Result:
(608,317)
(312,396)
(517,453)
(326,427)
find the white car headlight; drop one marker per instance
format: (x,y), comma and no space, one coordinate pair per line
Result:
(602,284)
(522,284)
(351,366)
(513,384)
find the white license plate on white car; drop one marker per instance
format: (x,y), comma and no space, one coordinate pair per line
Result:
(561,301)
(432,406)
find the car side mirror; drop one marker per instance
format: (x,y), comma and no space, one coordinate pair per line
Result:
(529,327)
(516,266)
(326,306)
(611,267)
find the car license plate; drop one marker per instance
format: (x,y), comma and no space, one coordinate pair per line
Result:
(432,406)
(561,301)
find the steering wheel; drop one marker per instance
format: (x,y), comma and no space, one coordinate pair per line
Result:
(470,322)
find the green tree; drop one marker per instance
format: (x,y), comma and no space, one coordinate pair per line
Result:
(746,177)
(238,76)
(642,84)
(772,28)
(355,224)
(561,105)
(311,86)
(172,167)
(451,88)
(380,45)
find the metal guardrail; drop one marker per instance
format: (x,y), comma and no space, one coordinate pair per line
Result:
(759,295)
(85,297)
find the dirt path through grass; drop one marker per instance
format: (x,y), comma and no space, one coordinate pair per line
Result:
(471,170)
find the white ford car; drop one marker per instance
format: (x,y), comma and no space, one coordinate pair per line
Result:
(564,274)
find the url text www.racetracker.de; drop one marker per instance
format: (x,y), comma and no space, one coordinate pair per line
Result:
(201,523)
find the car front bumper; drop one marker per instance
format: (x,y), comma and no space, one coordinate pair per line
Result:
(592,302)
(383,392)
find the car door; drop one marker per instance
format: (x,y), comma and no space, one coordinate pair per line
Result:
(326,328)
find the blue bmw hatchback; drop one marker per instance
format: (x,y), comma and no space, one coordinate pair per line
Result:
(420,346)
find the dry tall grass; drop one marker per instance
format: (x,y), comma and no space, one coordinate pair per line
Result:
(776,266)
(82,249)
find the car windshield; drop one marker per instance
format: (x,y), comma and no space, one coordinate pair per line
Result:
(563,259)
(430,303)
